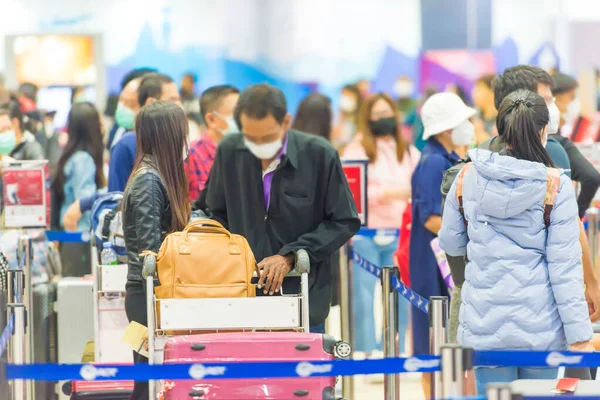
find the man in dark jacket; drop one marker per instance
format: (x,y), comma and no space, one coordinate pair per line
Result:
(582,171)
(284,191)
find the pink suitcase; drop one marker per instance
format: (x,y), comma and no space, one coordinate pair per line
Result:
(250,346)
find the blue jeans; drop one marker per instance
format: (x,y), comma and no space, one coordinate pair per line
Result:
(319,328)
(485,375)
(364,289)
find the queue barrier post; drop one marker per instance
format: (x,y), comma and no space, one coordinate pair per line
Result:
(456,361)
(592,220)
(499,391)
(438,325)
(390,329)
(346,312)
(17,348)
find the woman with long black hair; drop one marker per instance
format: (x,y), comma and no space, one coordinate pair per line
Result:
(155,202)
(79,173)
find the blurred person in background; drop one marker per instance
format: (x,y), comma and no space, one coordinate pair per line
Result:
(21,142)
(188,94)
(391,164)
(364,87)
(569,105)
(127,102)
(415,123)
(525,292)
(48,137)
(7,134)
(446,121)
(314,116)
(483,100)
(350,103)
(404,91)
(78,95)
(191,106)
(152,87)
(216,104)
(79,174)
(80,171)
(27,96)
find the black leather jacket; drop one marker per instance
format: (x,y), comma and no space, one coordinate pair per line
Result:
(146,217)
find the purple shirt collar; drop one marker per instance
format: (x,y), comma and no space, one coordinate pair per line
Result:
(268,177)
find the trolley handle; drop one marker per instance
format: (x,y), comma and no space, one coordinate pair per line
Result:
(149,268)
(301,265)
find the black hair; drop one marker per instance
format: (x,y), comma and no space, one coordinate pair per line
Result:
(260,101)
(522,115)
(564,83)
(28,90)
(13,110)
(151,86)
(212,98)
(314,116)
(486,80)
(520,77)
(192,76)
(136,73)
(166,154)
(85,134)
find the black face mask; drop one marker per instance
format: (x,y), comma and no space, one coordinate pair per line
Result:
(384,126)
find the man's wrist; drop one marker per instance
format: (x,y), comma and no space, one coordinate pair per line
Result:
(289,258)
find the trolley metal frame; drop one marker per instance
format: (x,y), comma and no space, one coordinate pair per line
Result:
(285,312)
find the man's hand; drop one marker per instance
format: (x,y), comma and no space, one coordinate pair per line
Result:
(72,217)
(273,270)
(592,296)
(582,347)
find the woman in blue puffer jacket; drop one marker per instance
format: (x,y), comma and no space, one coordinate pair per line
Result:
(523,285)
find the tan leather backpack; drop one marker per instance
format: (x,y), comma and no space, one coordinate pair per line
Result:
(205,261)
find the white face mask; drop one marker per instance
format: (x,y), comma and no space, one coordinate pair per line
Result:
(231,124)
(573,110)
(554,118)
(463,134)
(49,128)
(264,151)
(347,104)
(403,89)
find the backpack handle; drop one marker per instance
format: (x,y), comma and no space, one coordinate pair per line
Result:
(551,190)
(459,190)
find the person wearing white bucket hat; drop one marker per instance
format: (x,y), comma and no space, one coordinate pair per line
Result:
(446,120)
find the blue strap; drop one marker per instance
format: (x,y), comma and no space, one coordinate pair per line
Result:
(143,372)
(68,237)
(413,297)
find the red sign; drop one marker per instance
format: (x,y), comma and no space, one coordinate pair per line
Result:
(356,175)
(26,196)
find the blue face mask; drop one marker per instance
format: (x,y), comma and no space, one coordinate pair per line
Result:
(125,116)
(7,142)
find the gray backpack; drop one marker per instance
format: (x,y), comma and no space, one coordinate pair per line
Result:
(457,264)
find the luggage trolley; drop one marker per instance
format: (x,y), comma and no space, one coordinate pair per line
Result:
(263,313)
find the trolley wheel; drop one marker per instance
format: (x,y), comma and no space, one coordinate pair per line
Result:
(342,349)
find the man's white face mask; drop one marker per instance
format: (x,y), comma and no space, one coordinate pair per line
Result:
(554,118)
(264,151)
